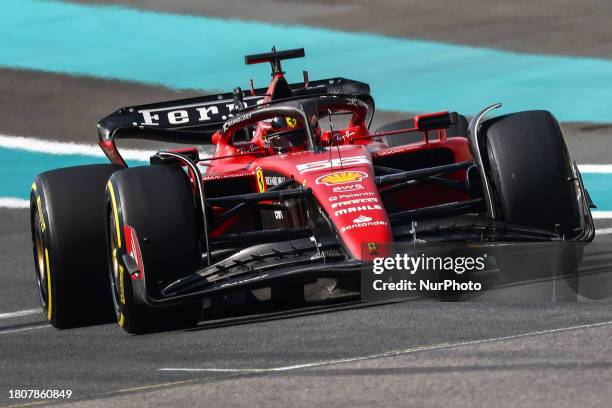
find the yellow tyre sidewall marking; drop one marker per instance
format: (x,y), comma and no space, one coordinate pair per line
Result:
(121,271)
(111,190)
(121,286)
(41,218)
(50,300)
(43,227)
(115,212)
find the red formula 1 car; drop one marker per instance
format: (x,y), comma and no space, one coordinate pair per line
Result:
(298,189)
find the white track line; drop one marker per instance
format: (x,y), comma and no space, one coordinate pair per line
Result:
(386,354)
(601,215)
(19,313)
(52,147)
(595,168)
(33,144)
(603,231)
(17,203)
(28,328)
(10,202)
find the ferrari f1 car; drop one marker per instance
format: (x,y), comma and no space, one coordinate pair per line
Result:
(298,188)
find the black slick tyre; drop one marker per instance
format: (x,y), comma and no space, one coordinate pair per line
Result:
(156,203)
(67,214)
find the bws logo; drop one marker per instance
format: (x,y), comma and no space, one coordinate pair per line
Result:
(328,164)
(341,177)
(348,188)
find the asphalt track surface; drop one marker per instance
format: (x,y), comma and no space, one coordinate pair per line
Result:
(500,351)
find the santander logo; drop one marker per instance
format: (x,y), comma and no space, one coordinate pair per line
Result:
(362,218)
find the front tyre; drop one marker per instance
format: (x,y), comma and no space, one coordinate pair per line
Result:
(67,216)
(531,174)
(151,212)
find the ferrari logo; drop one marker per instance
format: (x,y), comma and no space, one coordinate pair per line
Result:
(261,180)
(291,122)
(372,248)
(341,177)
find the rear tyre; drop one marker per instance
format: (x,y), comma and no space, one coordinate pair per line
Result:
(458,129)
(157,203)
(67,216)
(530,169)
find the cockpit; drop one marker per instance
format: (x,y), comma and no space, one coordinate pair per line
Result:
(298,124)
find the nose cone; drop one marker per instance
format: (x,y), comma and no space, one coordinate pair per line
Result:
(350,198)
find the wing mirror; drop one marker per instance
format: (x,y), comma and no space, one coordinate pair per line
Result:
(434,121)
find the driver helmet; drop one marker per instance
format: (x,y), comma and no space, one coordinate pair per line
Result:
(295,135)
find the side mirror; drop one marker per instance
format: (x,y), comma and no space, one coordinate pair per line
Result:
(434,121)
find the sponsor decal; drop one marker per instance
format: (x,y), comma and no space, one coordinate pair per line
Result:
(192,114)
(361,219)
(255,278)
(350,187)
(349,210)
(226,176)
(355,202)
(291,122)
(372,248)
(341,177)
(275,180)
(357,102)
(261,181)
(347,196)
(247,148)
(236,120)
(393,151)
(328,164)
(355,195)
(363,225)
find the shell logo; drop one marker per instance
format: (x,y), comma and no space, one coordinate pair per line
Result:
(341,177)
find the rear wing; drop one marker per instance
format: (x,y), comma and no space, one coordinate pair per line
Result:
(195,120)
